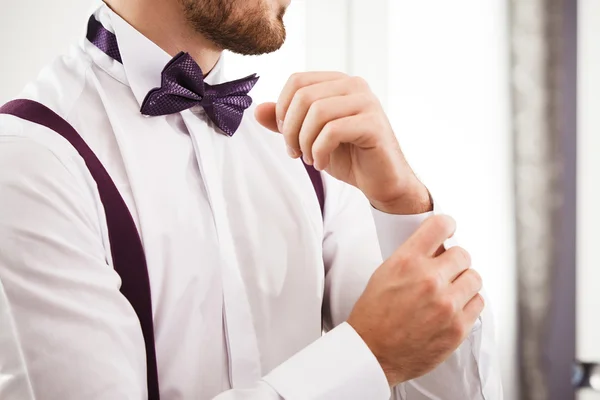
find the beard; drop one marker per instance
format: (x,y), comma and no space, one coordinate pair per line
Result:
(247,27)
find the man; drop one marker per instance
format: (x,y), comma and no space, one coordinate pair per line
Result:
(245,269)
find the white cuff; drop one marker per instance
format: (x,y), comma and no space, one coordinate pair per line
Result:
(339,365)
(393,230)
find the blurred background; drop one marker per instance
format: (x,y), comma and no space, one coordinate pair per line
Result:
(496,104)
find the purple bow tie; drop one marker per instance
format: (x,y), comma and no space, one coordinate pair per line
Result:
(183,86)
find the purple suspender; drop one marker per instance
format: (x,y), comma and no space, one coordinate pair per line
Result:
(126,246)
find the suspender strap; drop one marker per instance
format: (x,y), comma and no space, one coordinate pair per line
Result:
(126,247)
(317,182)
(127,251)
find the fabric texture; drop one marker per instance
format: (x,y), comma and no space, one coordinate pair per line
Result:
(126,247)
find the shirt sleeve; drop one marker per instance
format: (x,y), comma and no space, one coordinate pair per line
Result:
(471,372)
(357,239)
(68,333)
(68,330)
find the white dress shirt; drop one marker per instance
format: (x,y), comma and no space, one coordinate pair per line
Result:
(243,269)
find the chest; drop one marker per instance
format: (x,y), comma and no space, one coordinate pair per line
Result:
(213,211)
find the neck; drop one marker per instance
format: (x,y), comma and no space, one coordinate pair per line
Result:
(164,23)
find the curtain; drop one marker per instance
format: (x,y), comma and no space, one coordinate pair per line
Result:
(543,195)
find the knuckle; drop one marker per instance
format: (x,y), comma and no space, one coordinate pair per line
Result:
(457,331)
(327,134)
(432,285)
(317,110)
(330,129)
(461,255)
(303,97)
(441,223)
(373,102)
(474,280)
(435,223)
(446,308)
(375,121)
(359,83)
(296,80)
(318,152)
(477,280)
(381,118)
(404,259)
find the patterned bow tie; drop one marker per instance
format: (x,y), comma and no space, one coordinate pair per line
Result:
(183,87)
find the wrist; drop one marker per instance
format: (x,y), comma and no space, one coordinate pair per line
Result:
(414,200)
(387,365)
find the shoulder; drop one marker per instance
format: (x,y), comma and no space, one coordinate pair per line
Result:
(22,154)
(58,86)
(41,175)
(32,149)
(31,170)
(61,83)
(40,194)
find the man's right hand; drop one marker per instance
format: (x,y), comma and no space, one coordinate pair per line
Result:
(420,305)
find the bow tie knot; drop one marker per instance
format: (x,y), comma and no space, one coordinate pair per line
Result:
(183,87)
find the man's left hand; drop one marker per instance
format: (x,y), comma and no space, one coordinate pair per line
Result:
(337,124)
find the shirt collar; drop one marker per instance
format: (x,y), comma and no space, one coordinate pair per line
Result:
(143,61)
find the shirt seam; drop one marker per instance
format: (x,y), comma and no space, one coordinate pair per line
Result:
(66,118)
(272,388)
(76,99)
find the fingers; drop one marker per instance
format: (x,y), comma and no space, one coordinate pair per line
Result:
(343,130)
(297,81)
(311,107)
(472,310)
(452,263)
(329,123)
(430,236)
(465,287)
(265,115)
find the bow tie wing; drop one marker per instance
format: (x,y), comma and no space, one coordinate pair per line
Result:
(228,101)
(239,87)
(182,87)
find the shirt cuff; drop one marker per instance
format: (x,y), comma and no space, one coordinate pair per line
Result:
(339,365)
(393,230)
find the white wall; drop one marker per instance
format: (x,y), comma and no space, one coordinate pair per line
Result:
(32,33)
(440,67)
(441,70)
(449,103)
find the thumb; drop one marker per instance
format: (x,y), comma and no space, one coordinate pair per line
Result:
(265,115)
